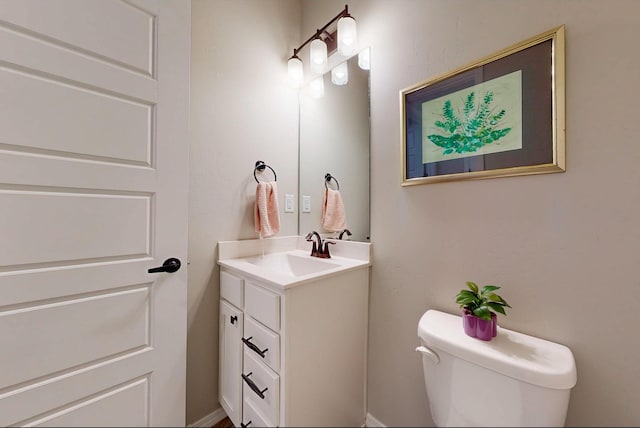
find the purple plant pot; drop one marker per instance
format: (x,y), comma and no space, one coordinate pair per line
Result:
(484,329)
(479,328)
(469,322)
(494,323)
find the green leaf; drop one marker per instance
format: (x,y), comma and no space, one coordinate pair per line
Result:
(482,312)
(496,307)
(493,297)
(463,300)
(470,104)
(489,288)
(441,141)
(501,301)
(468,293)
(472,286)
(466,296)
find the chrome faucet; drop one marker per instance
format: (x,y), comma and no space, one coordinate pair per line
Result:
(317,244)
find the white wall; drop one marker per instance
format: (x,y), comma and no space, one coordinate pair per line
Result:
(565,247)
(242,110)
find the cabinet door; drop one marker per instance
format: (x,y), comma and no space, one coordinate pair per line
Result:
(230,379)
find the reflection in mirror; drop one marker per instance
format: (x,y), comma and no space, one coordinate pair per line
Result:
(334,139)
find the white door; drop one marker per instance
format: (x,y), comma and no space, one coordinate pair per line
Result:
(93,193)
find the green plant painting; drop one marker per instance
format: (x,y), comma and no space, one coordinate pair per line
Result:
(486,118)
(474,130)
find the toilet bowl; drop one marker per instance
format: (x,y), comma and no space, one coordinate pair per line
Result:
(513,380)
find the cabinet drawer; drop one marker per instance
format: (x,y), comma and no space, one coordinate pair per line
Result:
(231,288)
(262,305)
(252,417)
(261,386)
(262,342)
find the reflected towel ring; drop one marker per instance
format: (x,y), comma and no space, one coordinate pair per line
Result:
(328,177)
(260,166)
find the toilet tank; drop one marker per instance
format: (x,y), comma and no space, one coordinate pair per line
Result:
(512,380)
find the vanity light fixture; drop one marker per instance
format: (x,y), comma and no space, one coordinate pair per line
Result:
(295,71)
(347,34)
(364,59)
(318,55)
(316,87)
(340,74)
(346,44)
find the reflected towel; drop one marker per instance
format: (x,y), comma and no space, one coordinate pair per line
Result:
(334,218)
(266,214)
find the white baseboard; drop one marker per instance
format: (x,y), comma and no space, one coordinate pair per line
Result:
(210,420)
(372,422)
(219,414)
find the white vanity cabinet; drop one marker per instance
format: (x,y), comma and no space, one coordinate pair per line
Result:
(294,356)
(231,329)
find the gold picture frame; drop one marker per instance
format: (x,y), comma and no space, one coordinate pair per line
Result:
(500,116)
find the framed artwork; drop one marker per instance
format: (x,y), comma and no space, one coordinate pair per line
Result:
(500,116)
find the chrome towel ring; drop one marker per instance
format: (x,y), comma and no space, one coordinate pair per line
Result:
(260,166)
(328,177)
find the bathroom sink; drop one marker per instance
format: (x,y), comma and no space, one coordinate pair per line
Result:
(291,264)
(286,262)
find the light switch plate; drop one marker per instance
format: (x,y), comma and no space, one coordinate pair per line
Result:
(306,204)
(288,203)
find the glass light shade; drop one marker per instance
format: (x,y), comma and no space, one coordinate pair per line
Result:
(316,87)
(295,71)
(347,36)
(318,56)
(340,74)
(364,59)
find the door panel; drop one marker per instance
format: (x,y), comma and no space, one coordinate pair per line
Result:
(44,397)
(112,324)
(38,56)
(88,27)
(93,179)
(133,397)
(75,119)
(71,225)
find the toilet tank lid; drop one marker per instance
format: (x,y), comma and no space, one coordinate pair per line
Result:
(517,355)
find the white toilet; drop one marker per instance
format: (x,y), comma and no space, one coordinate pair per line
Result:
(513,380)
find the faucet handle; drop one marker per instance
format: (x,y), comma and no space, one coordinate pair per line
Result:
(325,252)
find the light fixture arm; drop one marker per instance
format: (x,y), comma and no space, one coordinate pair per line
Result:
(343,13)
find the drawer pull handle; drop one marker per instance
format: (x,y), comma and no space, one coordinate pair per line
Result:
(245,425)
(234,319)
(253,386)
(253,347)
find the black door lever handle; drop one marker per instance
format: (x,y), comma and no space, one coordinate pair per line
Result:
(170,265)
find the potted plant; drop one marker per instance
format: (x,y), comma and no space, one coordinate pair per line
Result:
(478,305)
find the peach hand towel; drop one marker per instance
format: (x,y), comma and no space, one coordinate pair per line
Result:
(266,214)
(334,217)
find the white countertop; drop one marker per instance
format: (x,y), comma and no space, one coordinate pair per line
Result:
(266,260)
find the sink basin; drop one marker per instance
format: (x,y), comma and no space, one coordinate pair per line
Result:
(285,262)
(291,264)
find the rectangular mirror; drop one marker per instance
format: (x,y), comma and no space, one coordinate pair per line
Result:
(334,139)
